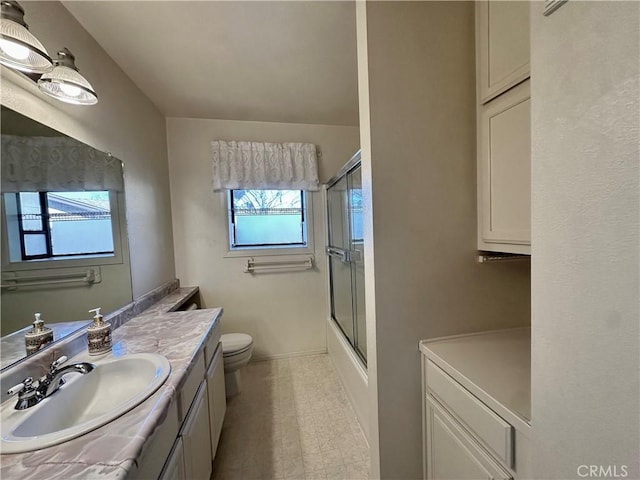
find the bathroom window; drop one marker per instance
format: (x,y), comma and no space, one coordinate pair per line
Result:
(267,219)
(59,225)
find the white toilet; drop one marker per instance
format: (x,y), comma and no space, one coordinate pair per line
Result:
(236,351)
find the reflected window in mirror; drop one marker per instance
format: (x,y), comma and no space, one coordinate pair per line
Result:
(46,171)
(59,225)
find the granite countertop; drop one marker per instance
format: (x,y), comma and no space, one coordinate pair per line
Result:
(111,451)
(495,366)
(172,301)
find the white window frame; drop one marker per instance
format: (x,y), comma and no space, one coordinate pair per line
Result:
(234,252)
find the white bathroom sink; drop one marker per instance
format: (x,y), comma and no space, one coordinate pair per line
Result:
(83,403)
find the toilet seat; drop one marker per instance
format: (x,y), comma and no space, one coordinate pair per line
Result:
(235,344)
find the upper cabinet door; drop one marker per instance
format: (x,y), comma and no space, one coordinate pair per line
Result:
(502,33)
(504,171)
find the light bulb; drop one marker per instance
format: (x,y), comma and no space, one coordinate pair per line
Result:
(14,50)
(70,90)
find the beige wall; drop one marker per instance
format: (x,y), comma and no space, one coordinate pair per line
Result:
(124,122)
(284,312)
(586,238)
(423,279)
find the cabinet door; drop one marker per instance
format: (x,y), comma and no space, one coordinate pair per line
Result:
(502,31)
(217,397)
(504,172)
(452,454)
(196,439)
(174,468)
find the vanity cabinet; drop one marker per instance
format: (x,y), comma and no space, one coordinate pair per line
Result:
(464,439)
(174,467)
(186,443)
(502,46)
(196,438)
(476,405)
(217,398)
(504,126)
(453,453)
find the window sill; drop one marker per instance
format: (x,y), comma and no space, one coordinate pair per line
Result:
(266,252)
(64,262)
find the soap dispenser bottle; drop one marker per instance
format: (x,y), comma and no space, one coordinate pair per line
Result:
(38,336)
(98,334)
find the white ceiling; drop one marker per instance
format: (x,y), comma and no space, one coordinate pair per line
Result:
(266,61)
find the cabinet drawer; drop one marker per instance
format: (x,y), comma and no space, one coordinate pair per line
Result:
(190,387)
(491,429)
(452,453)
(212,344)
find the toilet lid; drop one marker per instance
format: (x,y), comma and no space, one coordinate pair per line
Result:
(234,342)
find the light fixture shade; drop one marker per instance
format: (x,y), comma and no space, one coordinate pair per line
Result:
(19,49)
(65,83)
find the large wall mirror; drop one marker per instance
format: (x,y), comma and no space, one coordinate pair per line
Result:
(64,241)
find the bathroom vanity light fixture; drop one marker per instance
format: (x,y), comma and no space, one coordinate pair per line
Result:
(19,48)
(65,83)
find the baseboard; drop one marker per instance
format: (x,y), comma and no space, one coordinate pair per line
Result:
(279,356)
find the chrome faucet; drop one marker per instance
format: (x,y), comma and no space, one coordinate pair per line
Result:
(52,381)
(30,395)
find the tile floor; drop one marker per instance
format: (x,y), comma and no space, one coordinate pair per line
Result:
(292,420)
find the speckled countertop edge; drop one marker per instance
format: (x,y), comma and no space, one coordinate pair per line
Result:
(111,451)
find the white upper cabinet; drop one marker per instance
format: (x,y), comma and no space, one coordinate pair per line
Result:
(504,126)
(502,39)
(504,172)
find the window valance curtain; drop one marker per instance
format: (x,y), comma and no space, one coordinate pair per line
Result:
(37,164)
(267,166)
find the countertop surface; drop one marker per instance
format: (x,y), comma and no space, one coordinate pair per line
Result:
(495,366)
(111,451)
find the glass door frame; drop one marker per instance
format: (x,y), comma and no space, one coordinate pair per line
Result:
(353,164)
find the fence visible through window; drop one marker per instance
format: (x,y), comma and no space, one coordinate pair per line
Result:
(266,218)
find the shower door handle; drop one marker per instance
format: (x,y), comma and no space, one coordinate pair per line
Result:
(340,253)
(346,256)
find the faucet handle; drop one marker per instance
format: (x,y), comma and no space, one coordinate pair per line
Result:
(58,362)
(27,394)
(23,387)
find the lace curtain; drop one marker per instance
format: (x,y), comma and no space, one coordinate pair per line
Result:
(37,164)
(268,166)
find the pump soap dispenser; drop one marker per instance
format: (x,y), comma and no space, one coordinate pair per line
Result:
(98,334)
(38,336)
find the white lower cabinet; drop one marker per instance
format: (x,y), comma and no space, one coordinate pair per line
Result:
(453,454)
(184,446)
(217,397)
(174,468)
(463,438)
(196,438)
(476,392)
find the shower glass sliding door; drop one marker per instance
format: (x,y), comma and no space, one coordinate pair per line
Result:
(346,255)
